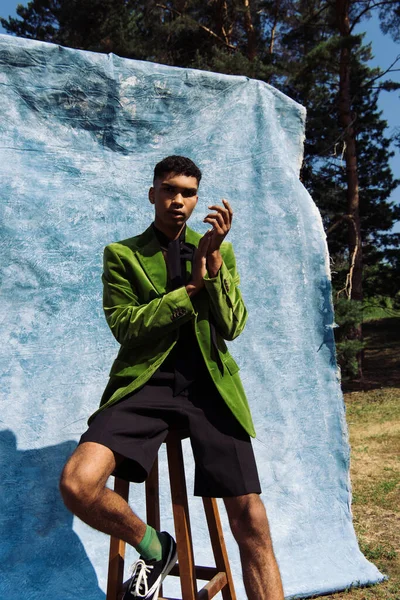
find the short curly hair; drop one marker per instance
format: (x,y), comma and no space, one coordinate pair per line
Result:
(180,165)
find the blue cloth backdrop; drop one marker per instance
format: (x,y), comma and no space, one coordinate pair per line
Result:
(80,135)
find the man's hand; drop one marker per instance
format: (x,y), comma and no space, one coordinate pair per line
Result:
(199,264)
(207,256)
(221,222)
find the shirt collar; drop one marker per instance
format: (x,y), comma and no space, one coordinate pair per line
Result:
(164,239)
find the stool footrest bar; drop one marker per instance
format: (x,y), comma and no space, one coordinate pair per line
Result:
(203,573)
(213,587)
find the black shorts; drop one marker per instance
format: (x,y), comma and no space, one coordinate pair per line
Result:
(136,426)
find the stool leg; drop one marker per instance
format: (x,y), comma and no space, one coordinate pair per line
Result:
(153,497)
(218,546)
(187,568)
(153,501)
(117,550)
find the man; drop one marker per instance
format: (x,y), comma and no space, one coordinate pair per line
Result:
(171,300)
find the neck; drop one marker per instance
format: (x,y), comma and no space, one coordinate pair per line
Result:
(171,233)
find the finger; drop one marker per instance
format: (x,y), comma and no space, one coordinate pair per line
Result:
(226,210)
(205,240)
(217,220)
(202,252)
(222,209)
(223,214)
(227,205)
(206,236)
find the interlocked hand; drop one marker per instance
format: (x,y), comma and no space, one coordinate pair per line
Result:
(200,258)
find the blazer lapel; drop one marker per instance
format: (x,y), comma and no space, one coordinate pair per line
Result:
(152,260)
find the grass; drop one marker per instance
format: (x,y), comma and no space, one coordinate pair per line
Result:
(373,417)
(373,310)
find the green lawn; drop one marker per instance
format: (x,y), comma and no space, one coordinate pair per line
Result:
(373,417)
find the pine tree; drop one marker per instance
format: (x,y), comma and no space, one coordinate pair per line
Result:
(306,48)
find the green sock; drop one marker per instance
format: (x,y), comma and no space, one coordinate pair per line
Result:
(152,545)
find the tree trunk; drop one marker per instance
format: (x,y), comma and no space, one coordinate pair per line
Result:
(224,26)
(251,34)
(346,120)
(274,27)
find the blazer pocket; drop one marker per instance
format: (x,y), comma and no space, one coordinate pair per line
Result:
(231,364)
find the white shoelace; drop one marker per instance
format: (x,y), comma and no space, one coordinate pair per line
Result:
(140,571)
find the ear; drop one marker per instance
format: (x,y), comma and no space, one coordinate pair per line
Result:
(151,195)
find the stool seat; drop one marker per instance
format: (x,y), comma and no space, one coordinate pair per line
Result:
(219,577)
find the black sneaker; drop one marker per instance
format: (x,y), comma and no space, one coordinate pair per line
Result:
(148,575)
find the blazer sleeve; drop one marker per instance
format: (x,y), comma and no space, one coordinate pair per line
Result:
(132,323)
(226,301)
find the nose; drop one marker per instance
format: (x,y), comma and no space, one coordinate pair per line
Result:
(178,199)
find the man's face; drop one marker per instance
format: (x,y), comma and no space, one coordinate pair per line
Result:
(174,197)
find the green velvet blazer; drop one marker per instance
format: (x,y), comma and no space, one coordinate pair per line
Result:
(144,317)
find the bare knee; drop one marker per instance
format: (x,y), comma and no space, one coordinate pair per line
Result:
(85,475)
(248,520)
(73,487)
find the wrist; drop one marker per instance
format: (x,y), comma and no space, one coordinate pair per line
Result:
(214,262)
(192,288)
(215,254)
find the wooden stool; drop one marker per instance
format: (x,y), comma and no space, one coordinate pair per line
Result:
(219,577)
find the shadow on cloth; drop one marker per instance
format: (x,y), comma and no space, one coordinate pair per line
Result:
(42,554)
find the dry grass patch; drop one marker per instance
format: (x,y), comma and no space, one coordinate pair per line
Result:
(373,418)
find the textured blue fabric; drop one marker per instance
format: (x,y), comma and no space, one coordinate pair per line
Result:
(80,134)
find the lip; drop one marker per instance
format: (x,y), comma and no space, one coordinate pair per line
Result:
(177,213)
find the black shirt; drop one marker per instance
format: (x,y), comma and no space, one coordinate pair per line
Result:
(185,362)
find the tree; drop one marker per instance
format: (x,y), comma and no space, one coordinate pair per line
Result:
(96,25)
(306,48)
(346,164)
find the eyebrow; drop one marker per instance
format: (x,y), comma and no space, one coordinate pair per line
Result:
(170,185)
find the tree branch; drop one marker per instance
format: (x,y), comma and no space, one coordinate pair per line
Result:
(341,136)
(362,13)
(206,29)
(349,277)
(388,70)
(274,26)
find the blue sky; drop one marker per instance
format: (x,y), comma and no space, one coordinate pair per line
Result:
(385,52)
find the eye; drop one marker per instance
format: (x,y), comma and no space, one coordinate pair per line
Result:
(188,193)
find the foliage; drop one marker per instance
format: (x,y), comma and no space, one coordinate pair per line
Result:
(389,15)
(348,315)
(296,46)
